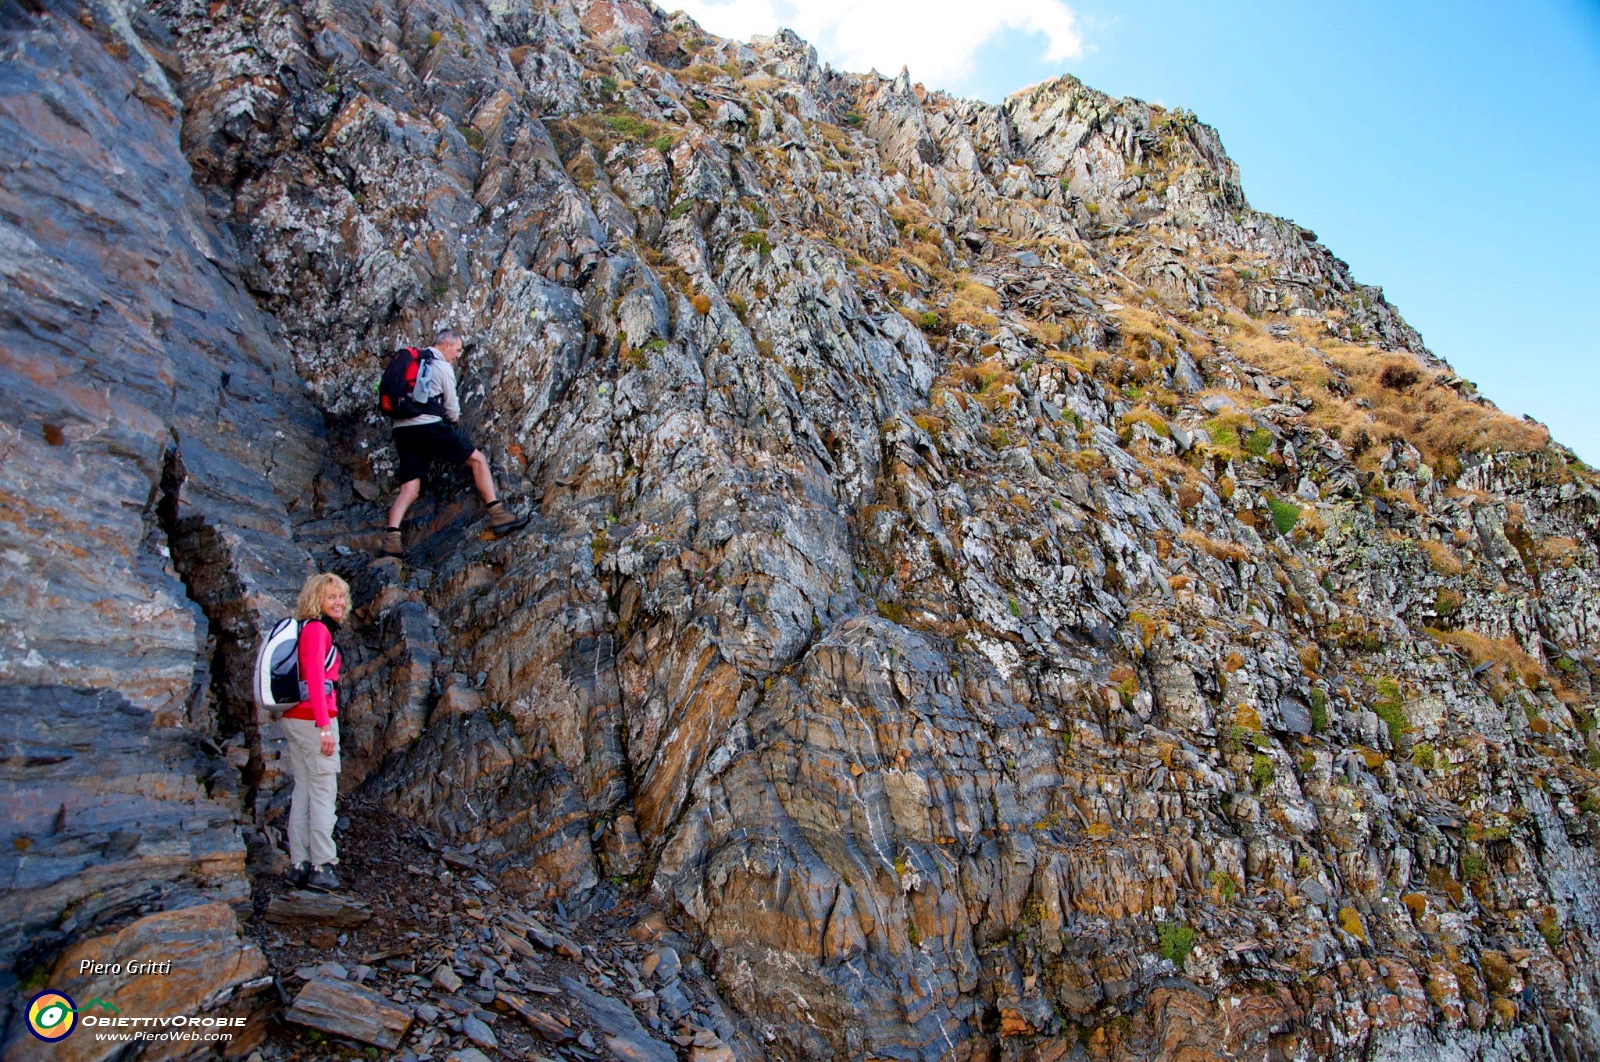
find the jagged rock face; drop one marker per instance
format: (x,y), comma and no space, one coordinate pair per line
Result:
(137,371)
(154,431)
(1003,592)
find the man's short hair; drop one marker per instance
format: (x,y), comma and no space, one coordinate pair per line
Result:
(446,335)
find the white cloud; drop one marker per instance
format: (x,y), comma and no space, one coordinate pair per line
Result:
(937,39)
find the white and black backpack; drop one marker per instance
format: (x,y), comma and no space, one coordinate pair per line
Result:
(277,680)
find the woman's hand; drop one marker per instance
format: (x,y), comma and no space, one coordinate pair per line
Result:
(330,744)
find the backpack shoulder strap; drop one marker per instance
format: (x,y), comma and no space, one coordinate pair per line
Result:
(333,650)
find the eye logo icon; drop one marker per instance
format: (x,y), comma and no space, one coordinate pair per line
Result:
(52,1016)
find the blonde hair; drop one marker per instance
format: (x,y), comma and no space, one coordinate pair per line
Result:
(309,604)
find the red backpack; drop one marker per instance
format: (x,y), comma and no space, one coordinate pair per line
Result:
(399,383)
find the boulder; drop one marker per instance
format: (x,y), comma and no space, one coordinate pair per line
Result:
(343,1008)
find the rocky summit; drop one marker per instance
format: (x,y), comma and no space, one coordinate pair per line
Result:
(992,594)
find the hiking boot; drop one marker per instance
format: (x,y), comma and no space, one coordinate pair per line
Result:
(392,546)
(323,879)
(503,521)
(298,874)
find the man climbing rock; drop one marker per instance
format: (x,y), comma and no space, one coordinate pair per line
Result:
(426,428)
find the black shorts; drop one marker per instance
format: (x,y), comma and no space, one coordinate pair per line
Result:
(422,444)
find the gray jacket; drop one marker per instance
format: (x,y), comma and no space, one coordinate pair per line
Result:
(435,379)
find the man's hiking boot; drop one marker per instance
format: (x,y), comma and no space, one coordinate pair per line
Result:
(503,521)
(392,546)
(323,879)
(298,874)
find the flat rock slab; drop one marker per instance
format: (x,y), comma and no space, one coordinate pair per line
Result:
(303,907)
(547,1026)
(515,942)
(626,1038)
(344,1008)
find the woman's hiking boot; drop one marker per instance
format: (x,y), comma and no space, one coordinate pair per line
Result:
(392,546)
(503,521)
(298,874)
(323,879)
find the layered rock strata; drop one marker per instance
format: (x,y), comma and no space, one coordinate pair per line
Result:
(1001,592)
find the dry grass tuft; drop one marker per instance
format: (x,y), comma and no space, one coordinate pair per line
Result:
(1560,552)
(1405,400)
(974,304)
(1223,551)
(1088,460)
(1443,559)
(991,382)
(1504,652)
(1311,526)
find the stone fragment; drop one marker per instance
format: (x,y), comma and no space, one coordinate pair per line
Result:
(663,964)
(479,1032)
(624,1036)
(453,858)
(331,971)
(547,1026)
(649,927)
(1295,715)
(674,1003)
(342,1008)
(303,907)
(555,942)
(514,942)
(719,1053)
(446,979)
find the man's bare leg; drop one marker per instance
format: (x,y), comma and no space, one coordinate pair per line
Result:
(502,521)
(479,465)
(402,501)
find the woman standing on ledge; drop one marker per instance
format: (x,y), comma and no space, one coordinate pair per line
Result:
(312,727)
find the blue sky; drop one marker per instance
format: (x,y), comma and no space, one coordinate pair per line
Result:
(1448,152)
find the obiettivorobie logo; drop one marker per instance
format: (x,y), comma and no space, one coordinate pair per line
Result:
(52,1015)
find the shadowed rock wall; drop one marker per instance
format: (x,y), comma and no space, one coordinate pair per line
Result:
(157,444)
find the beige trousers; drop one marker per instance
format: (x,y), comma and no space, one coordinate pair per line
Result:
(316,789)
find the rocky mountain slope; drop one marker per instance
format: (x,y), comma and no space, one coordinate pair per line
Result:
(996,593)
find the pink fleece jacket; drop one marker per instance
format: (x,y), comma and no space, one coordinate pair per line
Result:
(321,703)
